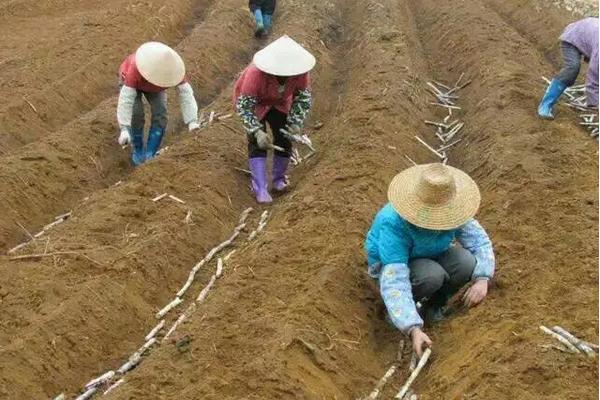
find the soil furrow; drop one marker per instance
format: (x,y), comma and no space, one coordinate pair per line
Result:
(531,172)
(311,324)
(62,64)
(540,23)
(49,176)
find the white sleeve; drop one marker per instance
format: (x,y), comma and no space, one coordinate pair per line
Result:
(189,107)
(125,106)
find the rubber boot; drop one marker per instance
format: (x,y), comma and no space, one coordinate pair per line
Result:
(258,167)
(260,26)
(280,165)
(154,138)
(268,22)
(433,314)
(138,155)
(555,89)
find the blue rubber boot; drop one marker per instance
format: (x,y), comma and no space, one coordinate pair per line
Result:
(553,93)
(138,155)
(268,22)
(154,138)
(260,26)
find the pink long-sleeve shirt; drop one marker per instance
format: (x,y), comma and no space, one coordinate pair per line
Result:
(265,88)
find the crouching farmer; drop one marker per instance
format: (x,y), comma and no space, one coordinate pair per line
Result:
(148,72)
(411,247)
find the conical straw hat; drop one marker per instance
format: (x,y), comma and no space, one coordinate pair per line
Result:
(434,196)
(159,64)
(284,57)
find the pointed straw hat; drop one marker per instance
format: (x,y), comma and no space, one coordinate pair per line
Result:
(284,57)
(159,64)
(434,196)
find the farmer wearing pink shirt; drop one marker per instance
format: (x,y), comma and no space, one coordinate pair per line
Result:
(274,89)
(152,69)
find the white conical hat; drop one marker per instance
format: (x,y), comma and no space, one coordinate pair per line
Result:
(284,57)
(159,64)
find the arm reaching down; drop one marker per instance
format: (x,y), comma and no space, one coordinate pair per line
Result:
(127,97)
(246,106)
(300,107)
(189,107)
(474,238)
(396,292)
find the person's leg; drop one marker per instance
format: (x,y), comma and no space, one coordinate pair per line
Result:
(257,161)
(138,155)
(566,77)
(158,125)
(459,263)
(427,277)
(268,9)
(281,159)
(257,13)
(571,64)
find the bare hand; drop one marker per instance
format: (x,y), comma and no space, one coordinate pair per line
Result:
(476,293)
(420,341)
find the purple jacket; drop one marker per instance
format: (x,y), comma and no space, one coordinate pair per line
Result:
(583,34)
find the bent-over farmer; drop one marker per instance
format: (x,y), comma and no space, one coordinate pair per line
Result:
(274,89)
(148,72)
(579,39)
(411,247)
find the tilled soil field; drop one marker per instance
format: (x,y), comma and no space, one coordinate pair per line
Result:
(294,315)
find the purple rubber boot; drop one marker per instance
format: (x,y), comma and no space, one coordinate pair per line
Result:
(280,165)
(258,167)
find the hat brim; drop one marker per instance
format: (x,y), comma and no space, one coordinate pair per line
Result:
(456,212)
(164,72)
(284,57)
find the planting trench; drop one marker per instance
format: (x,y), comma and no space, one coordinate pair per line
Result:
(60,59)
(51,175)
(295,315)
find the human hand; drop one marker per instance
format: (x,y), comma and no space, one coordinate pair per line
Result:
(263,140)
(476,293)
(420,341)
(194,127)
(294,130)
(124,137)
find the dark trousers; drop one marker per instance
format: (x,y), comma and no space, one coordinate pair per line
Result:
(276,120)
(571,64)
(439,278)
(266,6)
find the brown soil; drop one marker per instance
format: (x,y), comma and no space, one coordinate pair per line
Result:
(295,315)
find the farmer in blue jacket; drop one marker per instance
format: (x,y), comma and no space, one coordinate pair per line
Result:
(411,246)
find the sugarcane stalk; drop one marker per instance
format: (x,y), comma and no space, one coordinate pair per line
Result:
(414,374)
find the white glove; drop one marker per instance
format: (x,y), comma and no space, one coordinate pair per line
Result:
(124,137)
(294,130)
(192,126)
(263,140)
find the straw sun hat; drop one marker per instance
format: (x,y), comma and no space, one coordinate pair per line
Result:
(284,57)
(434,196)
(159,64)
